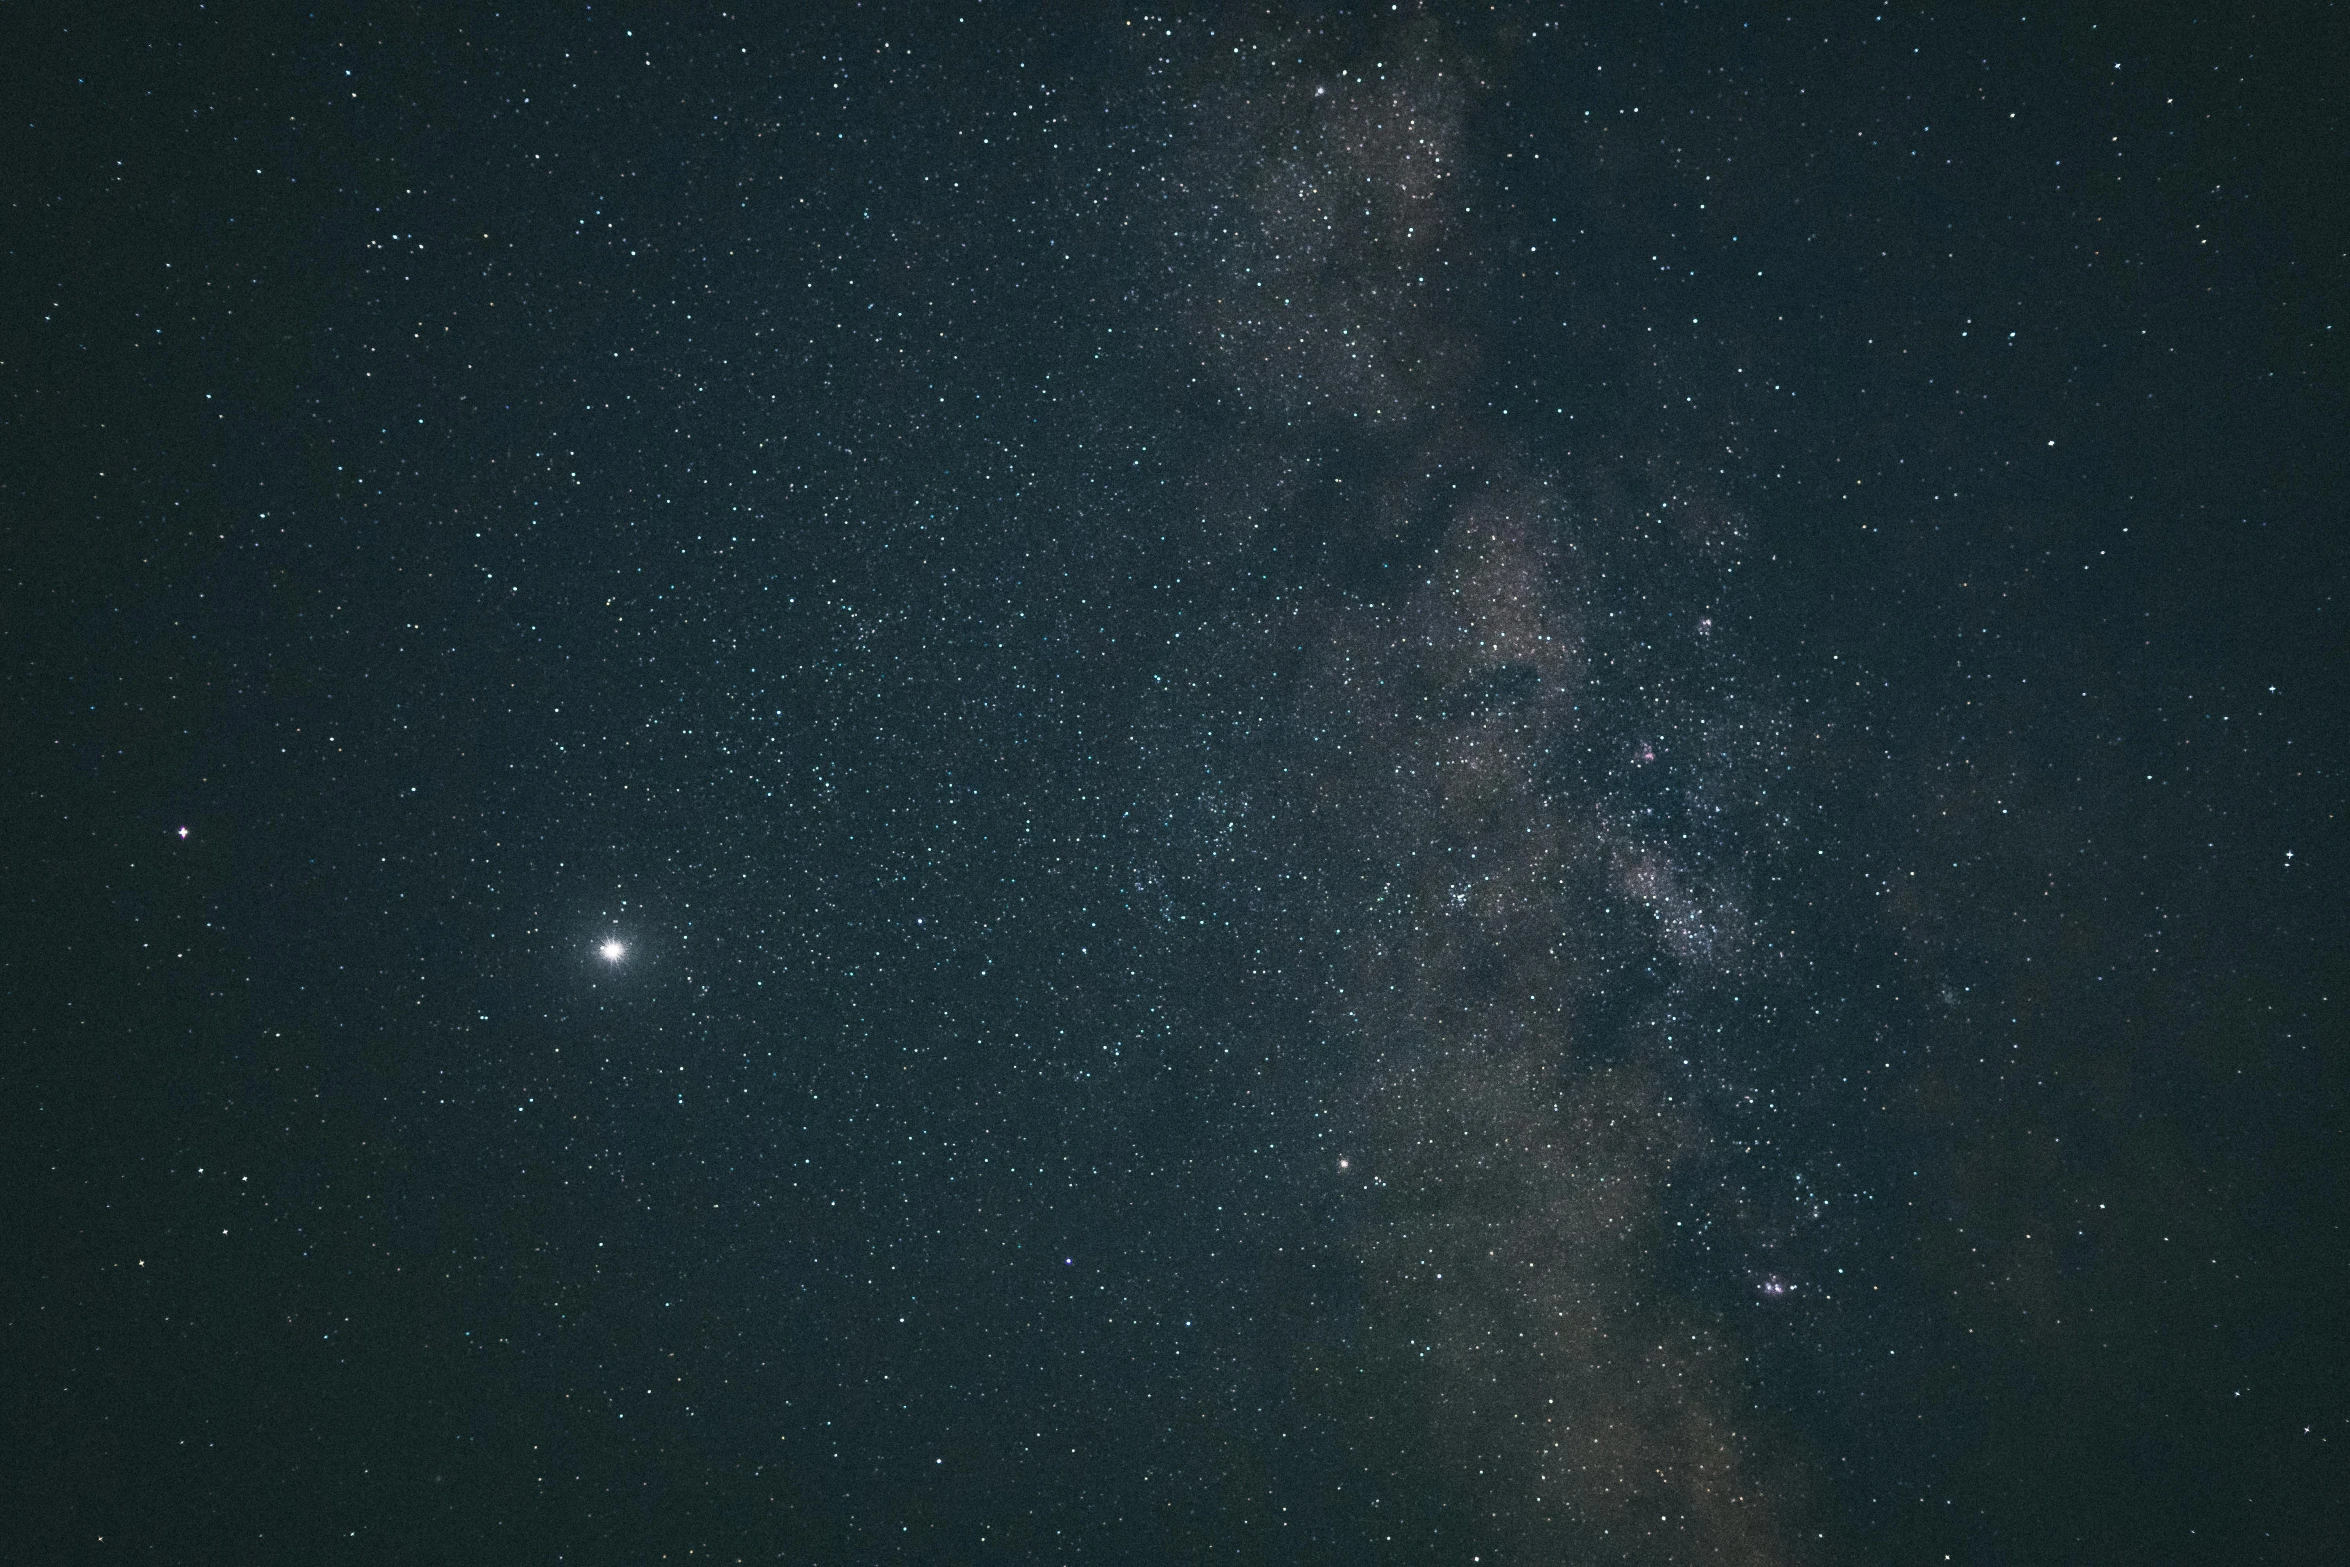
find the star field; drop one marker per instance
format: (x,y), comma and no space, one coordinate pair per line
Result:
(1452,784)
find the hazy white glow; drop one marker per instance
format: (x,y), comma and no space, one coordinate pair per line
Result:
(613,951)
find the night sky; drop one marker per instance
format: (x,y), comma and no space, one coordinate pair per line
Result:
(1521,783)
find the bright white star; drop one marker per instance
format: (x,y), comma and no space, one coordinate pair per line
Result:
(613,951)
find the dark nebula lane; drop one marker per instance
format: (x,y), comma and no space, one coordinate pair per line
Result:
(1454,784)
(1510,1135)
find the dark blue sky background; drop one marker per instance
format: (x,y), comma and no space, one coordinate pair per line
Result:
(783,494)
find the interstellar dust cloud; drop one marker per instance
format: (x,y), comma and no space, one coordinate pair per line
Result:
(1527,812)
